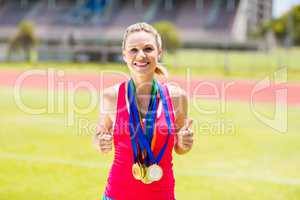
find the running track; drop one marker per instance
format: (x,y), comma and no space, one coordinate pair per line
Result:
(232,90)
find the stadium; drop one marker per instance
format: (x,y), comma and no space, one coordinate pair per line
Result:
(242,93)
(95,27)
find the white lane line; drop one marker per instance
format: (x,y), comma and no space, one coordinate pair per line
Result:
(36,159)
(191,172)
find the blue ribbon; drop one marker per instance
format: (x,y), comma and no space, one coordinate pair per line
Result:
(151,114)
(134,120)
(138,135)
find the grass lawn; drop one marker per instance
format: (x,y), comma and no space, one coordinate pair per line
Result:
(211,63)
(43,158)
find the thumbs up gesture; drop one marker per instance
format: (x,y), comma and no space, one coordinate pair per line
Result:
(185,137)
(103,140)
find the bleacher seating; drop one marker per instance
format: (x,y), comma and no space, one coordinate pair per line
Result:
(191,15)
(44,13)
(12,12)
(196,19)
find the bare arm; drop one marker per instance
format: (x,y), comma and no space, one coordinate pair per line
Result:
(104,133)
(184,137)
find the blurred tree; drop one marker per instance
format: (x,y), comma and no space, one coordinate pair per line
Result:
(286,28)
(24,41)
(170,38)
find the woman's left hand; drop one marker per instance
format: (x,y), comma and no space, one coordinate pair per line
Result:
(185,137)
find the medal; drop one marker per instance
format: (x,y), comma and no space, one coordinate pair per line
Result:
(146,169)
(154,172)
(137,172)
(146,179)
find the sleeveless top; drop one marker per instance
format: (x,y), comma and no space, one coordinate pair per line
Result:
(121,184)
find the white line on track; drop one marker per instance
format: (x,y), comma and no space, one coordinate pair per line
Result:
(37,159)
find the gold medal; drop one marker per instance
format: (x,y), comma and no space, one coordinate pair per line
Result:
(154,172)
(137,172)
(146,179)
(143,170)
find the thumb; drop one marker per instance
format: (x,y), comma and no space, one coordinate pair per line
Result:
(188,124)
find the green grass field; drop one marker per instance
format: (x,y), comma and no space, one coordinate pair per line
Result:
(42,158)
(210,63)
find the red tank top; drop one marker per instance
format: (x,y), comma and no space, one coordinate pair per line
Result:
(121,184)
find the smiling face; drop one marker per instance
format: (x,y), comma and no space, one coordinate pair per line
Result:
(141,53)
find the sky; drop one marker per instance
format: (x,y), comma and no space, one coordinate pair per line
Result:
(281,6)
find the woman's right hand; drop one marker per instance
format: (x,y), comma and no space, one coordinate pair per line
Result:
(103,140)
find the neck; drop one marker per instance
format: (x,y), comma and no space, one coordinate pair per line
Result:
(143,85)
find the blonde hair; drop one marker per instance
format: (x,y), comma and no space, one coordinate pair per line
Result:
(142,26)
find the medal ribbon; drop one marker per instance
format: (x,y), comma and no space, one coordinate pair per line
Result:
(138,136)
(136,121)
(150,120)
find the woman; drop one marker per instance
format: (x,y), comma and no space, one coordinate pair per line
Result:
(141,120)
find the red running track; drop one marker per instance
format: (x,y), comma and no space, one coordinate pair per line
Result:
(232,90)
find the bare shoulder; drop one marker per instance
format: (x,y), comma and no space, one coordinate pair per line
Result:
(176,93)
(179,99)
(108,104)
(111,93)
